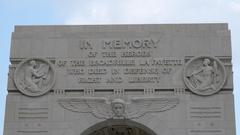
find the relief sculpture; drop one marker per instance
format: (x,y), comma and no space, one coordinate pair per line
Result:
(118,107)
(204,75)
(104,108)
(34,77)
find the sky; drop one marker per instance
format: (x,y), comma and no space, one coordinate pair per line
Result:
(61,12)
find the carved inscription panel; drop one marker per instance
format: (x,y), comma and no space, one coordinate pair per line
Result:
(205,111)
(113,63)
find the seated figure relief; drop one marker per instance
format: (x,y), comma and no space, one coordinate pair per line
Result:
(36,76)
(204,78)
(204,75)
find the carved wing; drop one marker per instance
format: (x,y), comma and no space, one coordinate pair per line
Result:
(141,105)
(99,107)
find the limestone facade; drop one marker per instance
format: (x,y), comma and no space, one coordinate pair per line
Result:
(153,79)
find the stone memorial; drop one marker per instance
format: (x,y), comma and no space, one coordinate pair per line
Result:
(153,79)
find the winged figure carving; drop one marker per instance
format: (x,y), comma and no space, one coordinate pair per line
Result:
(104,108)
(141,105)
(99,107)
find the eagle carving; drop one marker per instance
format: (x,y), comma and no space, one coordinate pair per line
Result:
(118,108)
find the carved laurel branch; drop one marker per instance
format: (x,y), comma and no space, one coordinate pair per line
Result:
(136,108)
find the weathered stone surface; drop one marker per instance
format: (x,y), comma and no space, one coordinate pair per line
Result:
(34,77)
(161,79)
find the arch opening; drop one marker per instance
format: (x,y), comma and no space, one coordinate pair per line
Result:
(118,127)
